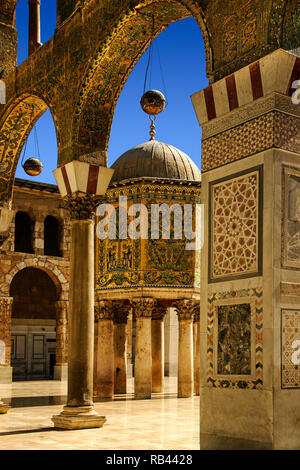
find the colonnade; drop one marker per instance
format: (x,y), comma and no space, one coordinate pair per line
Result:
(110,358)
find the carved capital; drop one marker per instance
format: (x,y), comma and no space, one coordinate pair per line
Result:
(82,206)
(5,308)
(197,313)
(120,312)
(159,312)
(143,307)
(104,310)
(185,309)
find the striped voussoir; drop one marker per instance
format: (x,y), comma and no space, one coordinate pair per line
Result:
(82,177)
(275,72)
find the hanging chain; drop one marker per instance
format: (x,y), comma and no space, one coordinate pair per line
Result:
(150,63)
(150,58)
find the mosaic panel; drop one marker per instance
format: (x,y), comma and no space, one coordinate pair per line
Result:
(148,262)
(291,218)
(290,348)
(234,336)
(235,339)
(235,208)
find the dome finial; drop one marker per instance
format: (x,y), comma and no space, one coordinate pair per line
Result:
(153,102)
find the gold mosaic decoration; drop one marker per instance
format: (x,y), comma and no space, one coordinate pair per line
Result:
(136,263)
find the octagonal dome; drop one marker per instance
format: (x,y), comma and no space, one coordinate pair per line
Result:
(155,160)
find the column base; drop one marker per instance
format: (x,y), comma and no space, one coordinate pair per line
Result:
(3,408)
(219,442)
(142,394)
(5,375)
(157,388)
(61,372)
(81,417)
(129,371)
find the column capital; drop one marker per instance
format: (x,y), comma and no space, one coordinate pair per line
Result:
(120,312)
(143,307)
(185,309)
(104,310)
(159,312)
(5,305)
(197,313)
(82,206)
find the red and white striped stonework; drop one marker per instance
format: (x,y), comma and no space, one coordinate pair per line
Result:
(275,72)
(82,177)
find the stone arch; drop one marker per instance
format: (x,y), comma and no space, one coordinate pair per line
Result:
(15,126)
(53,272)
(7,11)
(112,64)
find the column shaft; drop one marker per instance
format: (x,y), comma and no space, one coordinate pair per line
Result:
(196,347)
(157,347)
(143,359)
(80,373)
(185,311)
(5,339)
(120,358)
(104,372)
(185,359)
(61,366)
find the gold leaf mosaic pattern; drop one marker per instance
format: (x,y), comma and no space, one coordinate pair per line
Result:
(290,332)
(234,226)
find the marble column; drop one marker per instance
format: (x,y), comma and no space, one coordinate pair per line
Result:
(196,349)
(129,344)
(79,412)
(104,350)
(121,312)
(157,347)
(5,339)
(185,310)
(61,366)
(142,311)
(5,345)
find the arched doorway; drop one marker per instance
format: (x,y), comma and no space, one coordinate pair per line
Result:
(33,335)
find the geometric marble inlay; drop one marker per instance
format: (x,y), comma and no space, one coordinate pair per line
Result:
(235,227)
(290,345)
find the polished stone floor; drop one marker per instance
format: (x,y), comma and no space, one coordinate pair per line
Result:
(162,423)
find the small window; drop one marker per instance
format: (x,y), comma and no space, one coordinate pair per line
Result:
(52,236)
(23,233)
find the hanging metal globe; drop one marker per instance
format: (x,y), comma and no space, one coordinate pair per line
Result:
(33,167)
(153,102)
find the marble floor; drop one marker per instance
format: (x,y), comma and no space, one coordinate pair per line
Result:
(162,423)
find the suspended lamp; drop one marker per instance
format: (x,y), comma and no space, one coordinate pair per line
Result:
(33,166)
